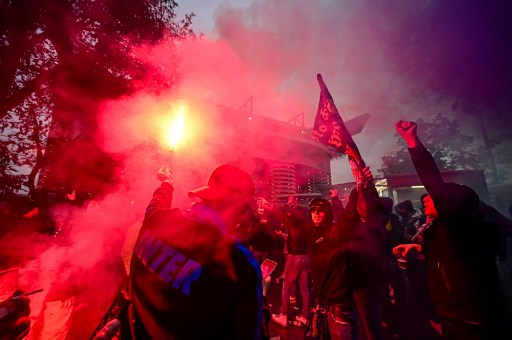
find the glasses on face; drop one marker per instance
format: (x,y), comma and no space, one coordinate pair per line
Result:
(317,210)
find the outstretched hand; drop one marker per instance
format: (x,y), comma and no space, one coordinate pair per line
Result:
(408,131)
(71,196)
(403,250)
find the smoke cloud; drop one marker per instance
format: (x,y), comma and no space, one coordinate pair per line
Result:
(395,60)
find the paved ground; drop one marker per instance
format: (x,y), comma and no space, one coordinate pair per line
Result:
(277,331)
(290,332)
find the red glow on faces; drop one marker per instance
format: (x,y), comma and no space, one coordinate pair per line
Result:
(430,209)
(317,216)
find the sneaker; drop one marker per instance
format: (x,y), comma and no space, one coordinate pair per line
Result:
(280,319)
(301,320)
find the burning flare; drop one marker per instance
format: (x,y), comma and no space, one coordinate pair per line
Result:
(175,133)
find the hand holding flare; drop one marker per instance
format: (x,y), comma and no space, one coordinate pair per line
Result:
(164,174)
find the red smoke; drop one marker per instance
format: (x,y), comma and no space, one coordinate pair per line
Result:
(271,51)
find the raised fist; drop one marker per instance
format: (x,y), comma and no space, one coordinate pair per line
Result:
(408,131)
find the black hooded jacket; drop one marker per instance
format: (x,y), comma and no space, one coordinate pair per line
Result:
(368,239)
(461,248)
(348,255)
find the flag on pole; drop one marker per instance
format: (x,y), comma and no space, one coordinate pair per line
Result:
(329,128)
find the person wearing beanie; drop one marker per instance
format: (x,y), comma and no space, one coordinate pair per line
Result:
(347,261)
(329,260)
(408,219)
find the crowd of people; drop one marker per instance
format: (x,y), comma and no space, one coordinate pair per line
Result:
(369,269)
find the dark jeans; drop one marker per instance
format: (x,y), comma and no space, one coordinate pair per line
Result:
(296,266)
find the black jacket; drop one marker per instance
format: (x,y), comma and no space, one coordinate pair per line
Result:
(350,254)
(367,238)
(461,248)
(294,221)
(330,264)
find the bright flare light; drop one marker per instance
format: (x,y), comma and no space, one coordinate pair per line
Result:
(175,133)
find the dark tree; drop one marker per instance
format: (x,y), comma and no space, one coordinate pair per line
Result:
(461,50)
(60,59)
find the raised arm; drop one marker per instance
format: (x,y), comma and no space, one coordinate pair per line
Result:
(423,161)
(337,205)
(450,199)
(371,198)
(162,197)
